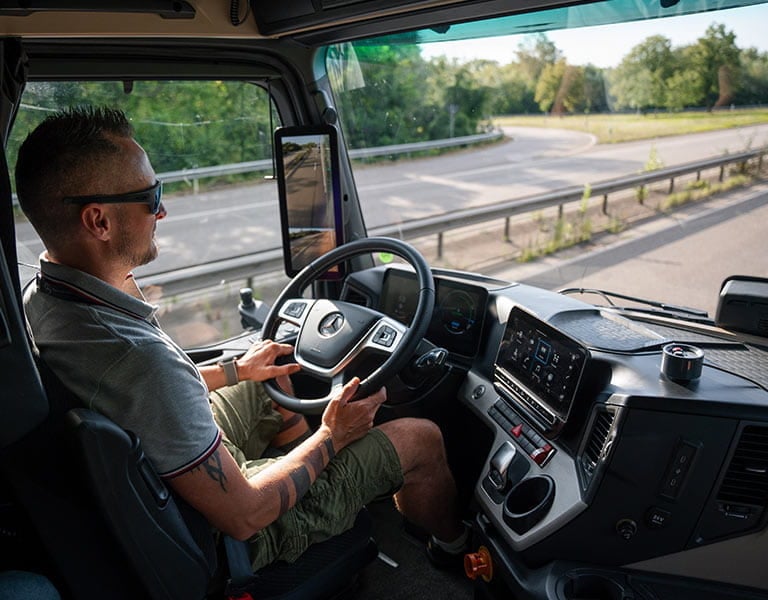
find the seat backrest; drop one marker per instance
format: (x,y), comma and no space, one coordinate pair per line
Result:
(140,511)
(101,523)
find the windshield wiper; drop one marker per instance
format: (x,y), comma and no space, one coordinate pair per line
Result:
(681,311)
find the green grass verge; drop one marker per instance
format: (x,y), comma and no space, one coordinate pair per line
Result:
(611,129)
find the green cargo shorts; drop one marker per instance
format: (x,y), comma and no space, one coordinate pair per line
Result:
(248,421)
(361,472)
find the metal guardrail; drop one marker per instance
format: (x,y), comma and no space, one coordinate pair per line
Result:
(505,210)
(194,175)
(271,261)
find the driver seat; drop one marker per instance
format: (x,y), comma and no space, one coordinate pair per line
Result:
(170,547)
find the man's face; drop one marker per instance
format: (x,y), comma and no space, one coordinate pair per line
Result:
(135,242)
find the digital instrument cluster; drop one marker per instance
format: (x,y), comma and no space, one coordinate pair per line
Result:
(457,319)
(539,368)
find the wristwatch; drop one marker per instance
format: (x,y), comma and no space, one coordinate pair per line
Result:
(230,370)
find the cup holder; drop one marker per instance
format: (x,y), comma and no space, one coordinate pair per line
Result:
(528,502)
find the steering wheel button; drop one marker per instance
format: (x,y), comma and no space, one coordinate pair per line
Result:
(385,336)
(295,309)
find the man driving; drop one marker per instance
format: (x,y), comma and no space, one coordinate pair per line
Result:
(92,195)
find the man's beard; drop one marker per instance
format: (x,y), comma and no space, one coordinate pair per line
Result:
(133,257)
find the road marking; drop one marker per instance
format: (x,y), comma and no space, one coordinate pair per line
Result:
(459,185)
(218,211)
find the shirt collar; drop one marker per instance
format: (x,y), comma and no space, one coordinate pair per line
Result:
(95,291)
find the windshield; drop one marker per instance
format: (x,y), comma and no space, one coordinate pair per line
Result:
(569,156)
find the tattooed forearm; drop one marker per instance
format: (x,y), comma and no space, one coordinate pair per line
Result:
(303,476)
(329,447)
(316,460)
(285,496)
(301,481)
(215,471)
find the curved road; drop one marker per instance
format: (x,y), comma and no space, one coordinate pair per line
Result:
(238,221)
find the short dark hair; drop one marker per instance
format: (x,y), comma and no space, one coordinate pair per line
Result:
(57,157)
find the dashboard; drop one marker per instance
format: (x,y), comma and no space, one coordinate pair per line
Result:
(598,457)
(592,452)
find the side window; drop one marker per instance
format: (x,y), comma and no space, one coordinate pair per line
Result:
(210,144)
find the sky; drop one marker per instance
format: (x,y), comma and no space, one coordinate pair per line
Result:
(613,42)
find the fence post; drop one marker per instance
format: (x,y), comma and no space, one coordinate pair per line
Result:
(440,245)
(605,204)
(506,229)
(722,171)
(559,211)
(671,185)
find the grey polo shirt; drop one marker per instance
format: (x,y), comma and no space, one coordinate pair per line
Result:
(107,349)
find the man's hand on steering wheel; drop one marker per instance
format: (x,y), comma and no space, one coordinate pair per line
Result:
(349,421)
(258,364)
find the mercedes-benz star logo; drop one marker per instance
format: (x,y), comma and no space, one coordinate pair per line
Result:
(332,324)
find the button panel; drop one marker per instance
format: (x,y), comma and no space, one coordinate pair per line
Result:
(535,446)
(508,384)
(682,459)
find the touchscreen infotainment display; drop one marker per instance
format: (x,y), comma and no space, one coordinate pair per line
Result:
(544,360)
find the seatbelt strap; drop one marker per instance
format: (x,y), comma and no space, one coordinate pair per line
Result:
(240,569)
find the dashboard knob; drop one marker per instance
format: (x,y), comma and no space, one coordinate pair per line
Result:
(479,564)
(681,363)
(626,528)
(246,297)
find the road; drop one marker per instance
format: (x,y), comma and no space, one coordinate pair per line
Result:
(239,221)
(681,258)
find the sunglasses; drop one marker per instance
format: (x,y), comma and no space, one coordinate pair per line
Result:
(151,197)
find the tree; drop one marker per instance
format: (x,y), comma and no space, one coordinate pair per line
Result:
(640,80)
(595,93)
(753,87)
(534,54)
(561,88)
(467,102)
(684,89)
(716,58)
(395,76)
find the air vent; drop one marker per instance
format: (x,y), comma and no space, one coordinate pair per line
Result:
(598,442)
(746,481)
(762,327)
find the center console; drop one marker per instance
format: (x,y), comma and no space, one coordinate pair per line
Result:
(605,473)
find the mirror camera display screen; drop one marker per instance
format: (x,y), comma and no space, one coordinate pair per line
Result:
(310,204)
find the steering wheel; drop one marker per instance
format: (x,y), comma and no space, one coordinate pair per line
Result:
(332,334)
